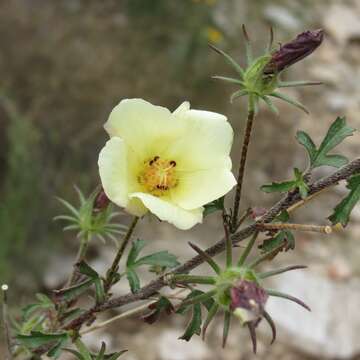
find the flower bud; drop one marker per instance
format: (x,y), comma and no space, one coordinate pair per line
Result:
(290,53)
(101,201)
(247,301)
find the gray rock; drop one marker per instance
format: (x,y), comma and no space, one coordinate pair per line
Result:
(332,328)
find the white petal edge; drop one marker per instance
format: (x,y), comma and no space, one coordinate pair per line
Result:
(113,171)
(166,211)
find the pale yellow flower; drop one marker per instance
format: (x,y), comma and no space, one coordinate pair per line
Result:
(170,164)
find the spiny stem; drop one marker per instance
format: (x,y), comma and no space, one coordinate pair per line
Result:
(115,265)
(191,279)
(6,325)
(84,244)
(244,151)
(296,227)
(227,240)
(303,202)
(247,250)
(267,274)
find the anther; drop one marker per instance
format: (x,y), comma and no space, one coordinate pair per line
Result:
(173,163)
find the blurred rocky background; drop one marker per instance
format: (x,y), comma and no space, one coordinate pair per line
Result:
(64,64)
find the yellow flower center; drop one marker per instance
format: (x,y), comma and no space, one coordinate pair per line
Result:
(158,176)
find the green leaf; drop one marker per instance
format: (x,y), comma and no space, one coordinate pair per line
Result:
(194,326)
(343,210)
(161,306)
(133,279)
(136,248)
(115,355)
(161,258)
(85,353)
(87,270)
(37,338)
(337,132)
(216,205)
(284,240)
(284,216)
(56,350)
(279,186)
(297,183)
(73,292)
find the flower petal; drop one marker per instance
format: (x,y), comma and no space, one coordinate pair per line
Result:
(113,171)
(144,127)
(164,210)
(206,143)
(198,188)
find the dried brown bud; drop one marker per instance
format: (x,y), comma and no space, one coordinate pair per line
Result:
(101,201)
(290,53)
(248,300)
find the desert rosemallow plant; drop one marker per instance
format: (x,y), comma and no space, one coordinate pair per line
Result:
(176,165)
(168,163)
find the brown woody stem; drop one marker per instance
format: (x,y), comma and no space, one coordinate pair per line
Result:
(244,151)
(115,265)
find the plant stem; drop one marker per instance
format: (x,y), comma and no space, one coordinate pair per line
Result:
(247,250)
(84,243)
(227,240)
(6,325)
(244,151)
(115,265)
(296,227)
(192,279)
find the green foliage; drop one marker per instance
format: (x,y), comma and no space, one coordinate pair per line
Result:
(337,132)
(283,240)
(91,223)
(298,183)
(194,326)
(78,289)
(163,305)
(343,210)
(36,339)
(82,353)
(162,259)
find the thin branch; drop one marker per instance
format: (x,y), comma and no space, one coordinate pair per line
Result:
(84,243)
(155,285)
(296,227)
(244,151)
(132,312)
(115,265)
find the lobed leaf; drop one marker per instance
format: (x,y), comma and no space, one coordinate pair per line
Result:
(342,211)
